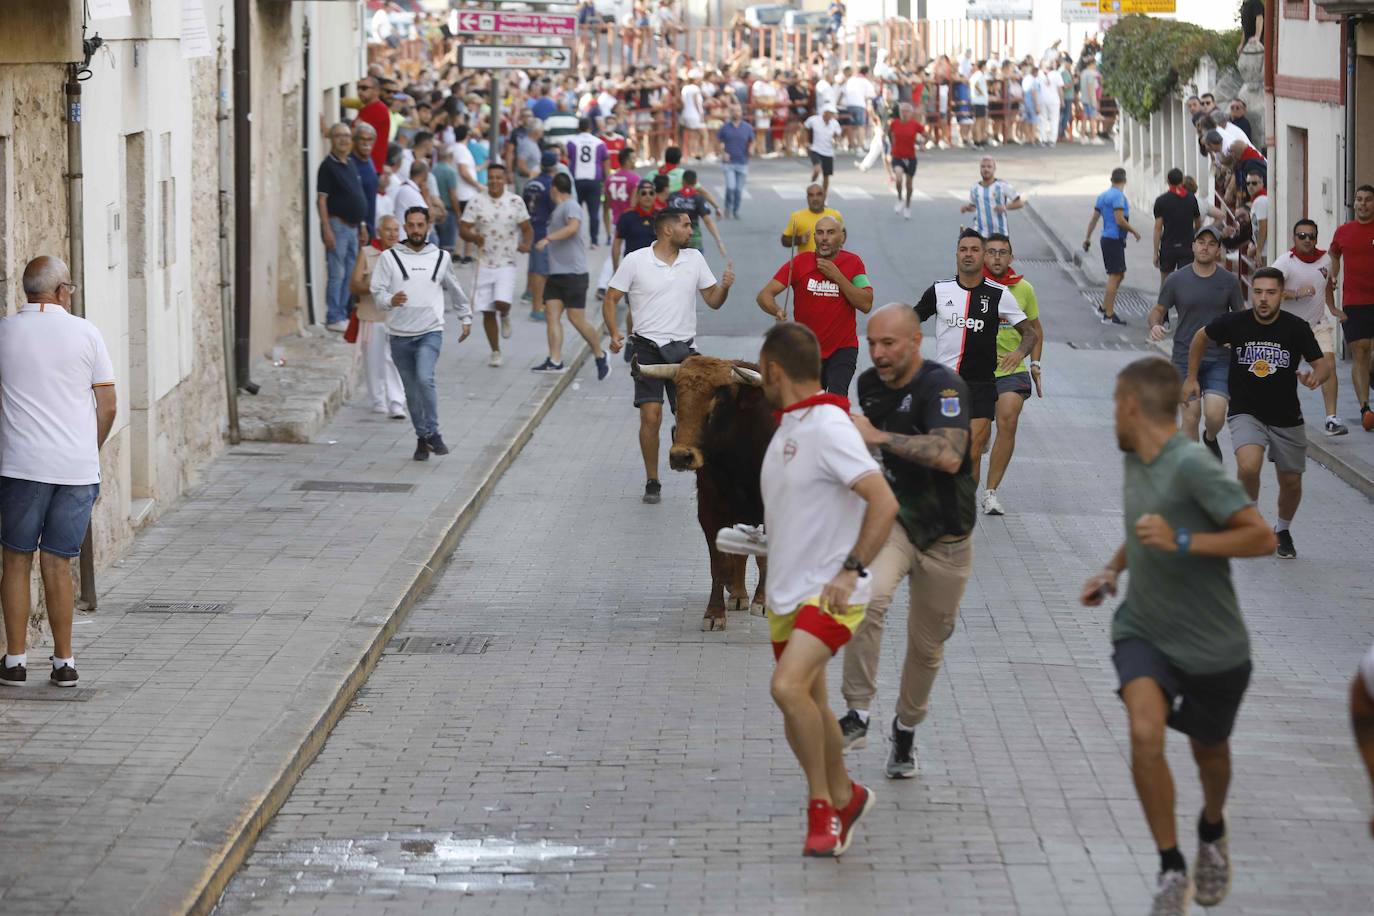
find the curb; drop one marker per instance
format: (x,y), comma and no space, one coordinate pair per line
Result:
(231,856)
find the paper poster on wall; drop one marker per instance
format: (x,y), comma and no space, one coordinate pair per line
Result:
(108,9)
(195,32)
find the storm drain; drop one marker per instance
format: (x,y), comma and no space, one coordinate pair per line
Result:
(1123,345)
(1127,301)
(180,607)
(439,645)
(352,486)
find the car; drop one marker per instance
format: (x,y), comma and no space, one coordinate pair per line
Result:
(802,22)
(765,14)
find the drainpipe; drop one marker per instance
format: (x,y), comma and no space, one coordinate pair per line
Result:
(226,280)
(243,190)
(305,171)
(1351,25)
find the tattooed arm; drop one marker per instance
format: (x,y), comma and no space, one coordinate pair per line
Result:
(943,449)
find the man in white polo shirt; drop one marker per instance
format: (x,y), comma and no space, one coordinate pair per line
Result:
(661,282)
(1306,268)
(57,404)
(827,510)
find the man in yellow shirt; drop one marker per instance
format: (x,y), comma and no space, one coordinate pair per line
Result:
(800,234)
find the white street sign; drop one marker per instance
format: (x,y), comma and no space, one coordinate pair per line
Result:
(515,57)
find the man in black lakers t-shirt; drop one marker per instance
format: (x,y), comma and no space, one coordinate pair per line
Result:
(1266,345)
(916,412)
(969,311)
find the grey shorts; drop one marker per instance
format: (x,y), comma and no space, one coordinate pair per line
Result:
(1016,383)
(1287,445)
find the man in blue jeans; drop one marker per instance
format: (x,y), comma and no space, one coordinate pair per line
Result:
(343,221)
(736,138)
(1114,210)
(408,284)
(57,404)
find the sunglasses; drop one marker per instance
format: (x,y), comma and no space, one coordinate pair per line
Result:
(645,191)
(1305,236)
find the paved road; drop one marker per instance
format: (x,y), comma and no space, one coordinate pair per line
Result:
(602,755)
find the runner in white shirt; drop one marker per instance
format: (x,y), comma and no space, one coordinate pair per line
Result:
(823,128)
(694,116)
(1306,294)
(661,282)
(827,510)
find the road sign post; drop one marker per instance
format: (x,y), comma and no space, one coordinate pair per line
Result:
(515,57)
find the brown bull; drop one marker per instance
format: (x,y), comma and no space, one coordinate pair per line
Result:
(723,427)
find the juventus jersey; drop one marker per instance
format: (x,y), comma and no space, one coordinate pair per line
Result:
(966,324)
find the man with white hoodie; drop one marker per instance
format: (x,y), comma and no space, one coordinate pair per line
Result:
(408,284)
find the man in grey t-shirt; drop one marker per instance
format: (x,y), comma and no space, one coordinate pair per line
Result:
(566,286)
(1200,291)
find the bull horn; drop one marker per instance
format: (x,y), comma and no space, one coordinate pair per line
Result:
(668,371)
(747,377)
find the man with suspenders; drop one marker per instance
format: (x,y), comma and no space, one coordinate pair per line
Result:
(587,156)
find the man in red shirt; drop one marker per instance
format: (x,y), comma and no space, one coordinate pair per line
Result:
(375,113)
(829,285)
(1352,248)
(902,136)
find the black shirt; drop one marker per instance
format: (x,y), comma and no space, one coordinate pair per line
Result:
(931,503)
(1178,213)
(339,182)
(1263,379)
(694,205)
(636,229)
(1244,124)
(966,325)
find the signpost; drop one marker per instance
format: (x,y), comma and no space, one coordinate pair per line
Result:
(1125,7)
(1081,11)
(515,57)
(491,22)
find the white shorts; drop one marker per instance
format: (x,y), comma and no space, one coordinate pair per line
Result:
(494,284)
(1326,335)
(691,123)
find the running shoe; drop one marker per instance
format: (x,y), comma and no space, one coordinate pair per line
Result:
(897,208)
(435,444)
(14,675)
(1213,446)
(1212,870)
(1102,317)
(1335,427)
(506,329)
(1173,894)
(536,316)
(1116,319)
(64,676)
(854,730)
(495,359)
(991,505)
(653,492)
(1286,551)
(822,829)
(603,368)
(901,759)
(860,801)
(421,450)
(549,366)
(906,212)
(743,540)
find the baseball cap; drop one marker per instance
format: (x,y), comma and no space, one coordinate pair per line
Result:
(548,158)
(1209,229)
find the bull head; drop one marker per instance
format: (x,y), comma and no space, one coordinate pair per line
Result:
(738,374)
(698,379)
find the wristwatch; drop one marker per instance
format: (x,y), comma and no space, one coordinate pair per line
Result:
(1183,539)
(852,564)
(1035,364)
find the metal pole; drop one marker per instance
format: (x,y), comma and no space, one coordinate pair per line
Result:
(494,128)
(305,170)
(226,248)
(243,192)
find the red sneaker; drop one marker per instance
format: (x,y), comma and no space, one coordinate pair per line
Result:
(822,829)
(860,800)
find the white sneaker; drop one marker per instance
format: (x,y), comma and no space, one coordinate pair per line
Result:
(743,540)
(907,211)
(495,359)
(505,326)
(1173,894)
(897,207)
(338,327)
(991,505)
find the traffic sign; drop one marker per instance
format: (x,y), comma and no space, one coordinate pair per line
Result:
(491,22)
(1080,11)
(1124,7)
(515,57)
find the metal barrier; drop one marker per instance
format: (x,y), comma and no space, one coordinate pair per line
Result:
(988,39)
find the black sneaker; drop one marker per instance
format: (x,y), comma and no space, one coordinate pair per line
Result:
(435,444)
(13,677)
(901,759)
(1213,446)
(854,730)
(603,368)
(1116,319)
(421,450)
(1286,549)
(64,676)
(653,492)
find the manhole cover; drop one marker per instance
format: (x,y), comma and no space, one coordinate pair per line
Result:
(1127,301)
(180,607)
(353,486)
(439,645)
(1132,345)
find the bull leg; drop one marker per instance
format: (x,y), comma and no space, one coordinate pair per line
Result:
(739,592)
(758,607)
(714,618)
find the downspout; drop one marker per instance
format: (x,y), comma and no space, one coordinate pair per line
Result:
(305,171)
(1351,26)
(226,279)
(76,264)
(243,191)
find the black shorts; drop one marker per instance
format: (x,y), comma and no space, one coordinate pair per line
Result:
(1359,323)
(905,165)
(837,370)
(1201,706)
(1171,259)
(980,111)
(827,163)
(1016,383)
(1113,255)
(648,353)
(569,289)
(982,400)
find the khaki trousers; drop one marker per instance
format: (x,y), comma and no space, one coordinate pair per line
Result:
(937,576)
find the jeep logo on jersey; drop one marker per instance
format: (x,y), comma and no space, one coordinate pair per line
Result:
(822,287)
(959,321)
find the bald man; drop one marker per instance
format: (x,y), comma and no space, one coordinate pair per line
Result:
(916,413)
(801,225)
(57,405)
(829,288)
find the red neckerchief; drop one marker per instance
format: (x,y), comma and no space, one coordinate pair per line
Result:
(659,204)
(377,243)
(665,168)
(1313,258)
(645,213)
(1178,190)
(687,192)
(1012,278)
(820,397)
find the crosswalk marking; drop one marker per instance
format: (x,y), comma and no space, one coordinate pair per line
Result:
(850,192)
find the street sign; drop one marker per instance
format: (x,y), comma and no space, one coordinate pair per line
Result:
(1080,11)
(999,9)
(491,22)
(514,57)
(1124,7)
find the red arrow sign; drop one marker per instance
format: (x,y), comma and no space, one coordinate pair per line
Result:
(490,22)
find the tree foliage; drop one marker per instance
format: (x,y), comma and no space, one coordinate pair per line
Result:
(1143,59)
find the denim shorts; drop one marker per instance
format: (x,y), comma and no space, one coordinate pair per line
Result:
(50,516)
(539,262)
(1213,376)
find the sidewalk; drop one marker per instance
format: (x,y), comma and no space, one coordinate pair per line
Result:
(1062,207)
(233,635)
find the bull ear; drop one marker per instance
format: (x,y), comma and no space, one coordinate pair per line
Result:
(745,376)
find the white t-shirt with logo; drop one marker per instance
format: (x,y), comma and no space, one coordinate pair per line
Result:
(49,363)
(663,297)
(1297,273)
(810,510)
(823,134)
